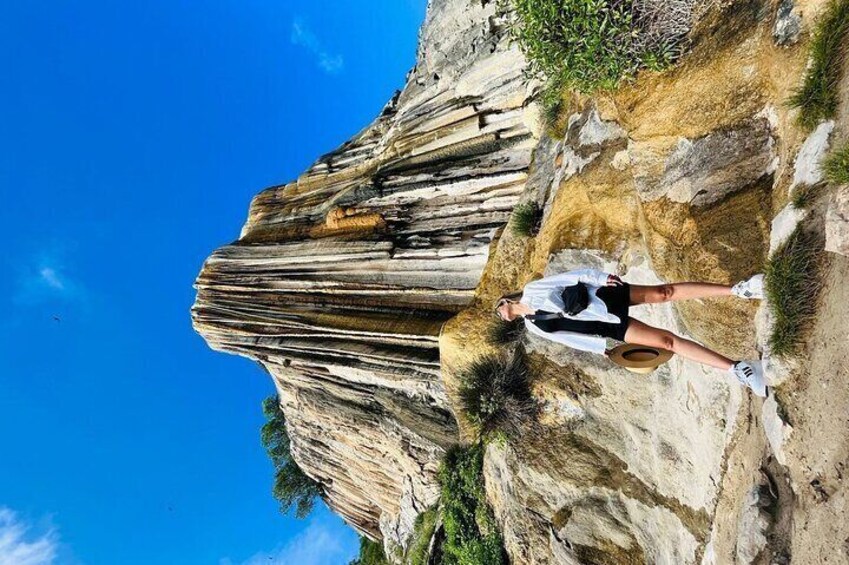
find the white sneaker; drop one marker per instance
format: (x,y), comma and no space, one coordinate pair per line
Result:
(750,374)
(750,289)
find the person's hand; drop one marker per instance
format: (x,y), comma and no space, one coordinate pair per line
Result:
(613,280)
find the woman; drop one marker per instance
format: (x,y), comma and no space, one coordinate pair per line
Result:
(603,313)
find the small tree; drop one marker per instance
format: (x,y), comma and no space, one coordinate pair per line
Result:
(292,487)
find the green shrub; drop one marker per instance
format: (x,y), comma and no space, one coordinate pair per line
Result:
(371,553)
(495,394)
(292,487)
(505,333)
(417,553)
(836,165)
(526,220)
(818,97)
(792,287)
(594,44)
(471,533)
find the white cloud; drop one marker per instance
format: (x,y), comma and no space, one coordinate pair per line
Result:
(52,278)
(321,543)
(303,36)
(44,277)
(19,547)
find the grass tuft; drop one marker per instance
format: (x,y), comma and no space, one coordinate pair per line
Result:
(805,195)
(526,220)
(836,165)
(792,287)
(817,99)
(471,533)
(495,395)
(506,333)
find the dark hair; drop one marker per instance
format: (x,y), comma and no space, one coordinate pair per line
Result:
(513,297)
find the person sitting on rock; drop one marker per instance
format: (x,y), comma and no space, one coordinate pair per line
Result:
(581,308)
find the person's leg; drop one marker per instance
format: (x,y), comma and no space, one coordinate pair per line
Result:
(643,334)
(676,291)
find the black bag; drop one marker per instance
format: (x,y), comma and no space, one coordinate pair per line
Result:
(575,298)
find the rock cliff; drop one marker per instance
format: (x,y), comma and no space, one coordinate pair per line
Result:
(341,280)
(365,286)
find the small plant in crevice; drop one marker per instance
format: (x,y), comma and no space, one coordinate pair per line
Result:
(507,333)
(526,220)
(836,165)
(293,489)
(805,195)
(817,98)
(792,288)
(472,536)
(495,395)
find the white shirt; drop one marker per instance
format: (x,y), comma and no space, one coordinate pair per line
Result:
(544,294)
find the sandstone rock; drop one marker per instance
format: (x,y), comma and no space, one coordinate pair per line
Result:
(752,528)
(784,224)
(704,170)
(837,222)
(587,135)
(776,428)
(788,24)
(808,169)
(621,161)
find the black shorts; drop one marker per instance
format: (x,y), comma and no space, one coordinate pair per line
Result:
(618,301)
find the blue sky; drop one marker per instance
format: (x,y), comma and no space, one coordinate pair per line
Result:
(132,138)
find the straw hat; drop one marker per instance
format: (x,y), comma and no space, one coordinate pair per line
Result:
(639,358)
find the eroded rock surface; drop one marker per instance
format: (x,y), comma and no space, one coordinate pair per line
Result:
(366,286)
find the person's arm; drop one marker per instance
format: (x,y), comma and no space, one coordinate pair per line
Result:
(590,343)
(592,277)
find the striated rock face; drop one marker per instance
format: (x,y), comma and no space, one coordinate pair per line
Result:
(341,280)
(366,286)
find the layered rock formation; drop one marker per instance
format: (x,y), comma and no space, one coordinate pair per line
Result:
(366,286)
(341,280)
